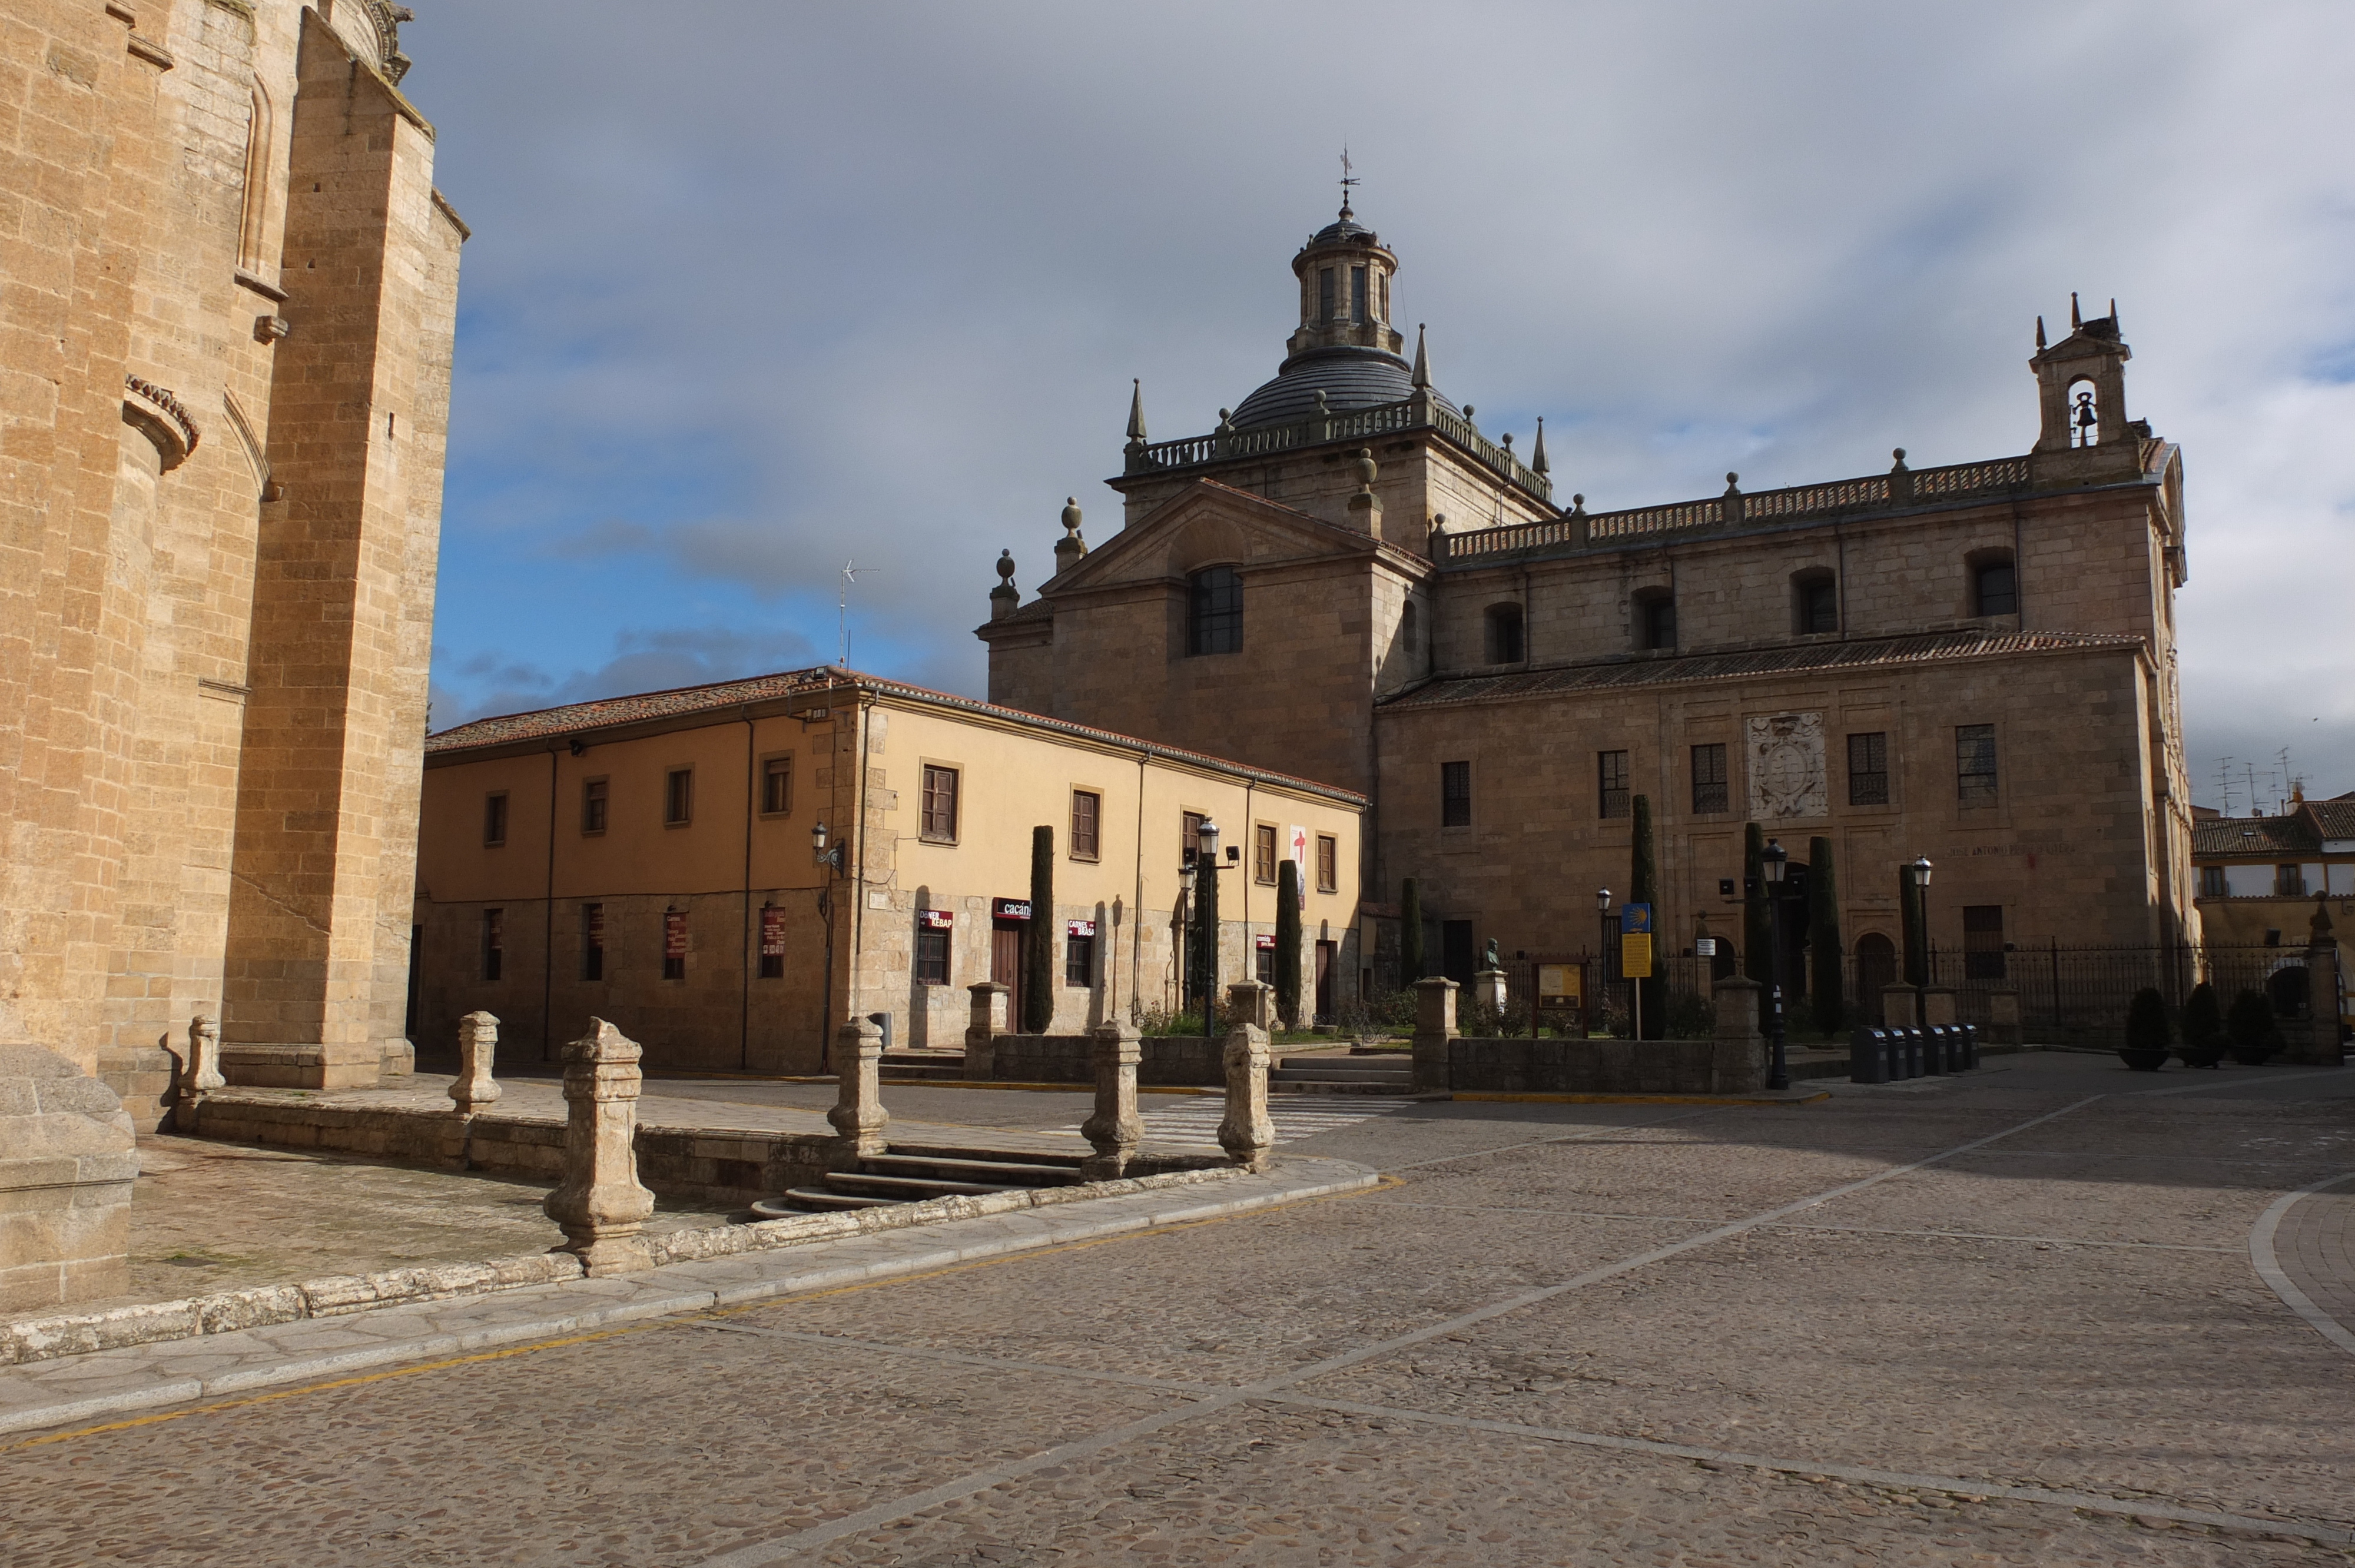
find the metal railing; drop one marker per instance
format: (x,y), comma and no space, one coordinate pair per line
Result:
(1419,412)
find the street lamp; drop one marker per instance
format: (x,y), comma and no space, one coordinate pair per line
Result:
(1920,872)
(1202,879)
(1602,950)
(1772,864)
(819,854)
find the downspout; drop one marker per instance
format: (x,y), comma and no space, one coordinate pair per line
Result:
(548,934)
(749,950)
(1136,911)
(864,708)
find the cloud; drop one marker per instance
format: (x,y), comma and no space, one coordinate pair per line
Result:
(643,660)
(870,282)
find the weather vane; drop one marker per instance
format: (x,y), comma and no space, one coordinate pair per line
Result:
(1347,179)
(851,572)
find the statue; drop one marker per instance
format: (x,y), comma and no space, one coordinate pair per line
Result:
(1489,960)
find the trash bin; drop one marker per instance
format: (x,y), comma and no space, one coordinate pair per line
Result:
(1868,1056)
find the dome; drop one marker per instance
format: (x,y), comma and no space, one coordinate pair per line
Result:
(1343,230)
(1350,378)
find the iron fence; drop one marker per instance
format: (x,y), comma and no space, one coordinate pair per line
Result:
(2080,994)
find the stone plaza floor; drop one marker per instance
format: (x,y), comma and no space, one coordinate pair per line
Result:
(2012,1318)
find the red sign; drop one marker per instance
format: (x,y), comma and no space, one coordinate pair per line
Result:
(1265,944)
(936,920)
(1080,927)
(1010,908)
(772,931)
(595,924)
(674,933)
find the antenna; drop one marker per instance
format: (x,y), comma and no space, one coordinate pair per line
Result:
(2224,782)
(850,573)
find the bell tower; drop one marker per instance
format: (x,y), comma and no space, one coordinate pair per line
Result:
(2081,382)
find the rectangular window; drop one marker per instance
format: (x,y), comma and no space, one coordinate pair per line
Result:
(1709,779)
(1819,606)
(593,806)
(940,823)
(1867,768)
(495,819)
(1611,783)
(1079,959)
(1998,588)
(773,942)
(776,786)
(673,943)
(1086,808)
(1455,794)
(1328,863)
(1264,961)
(1975,764)
(678,797)
(1189,836)
(495,942)
(1983,941)
(592,941)
(1263,853)
(1324,293)
(932,958)
(2211,881)
(1659,623)
(2288,883)
(1357,293)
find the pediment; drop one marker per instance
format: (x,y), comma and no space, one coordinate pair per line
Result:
(1209,523)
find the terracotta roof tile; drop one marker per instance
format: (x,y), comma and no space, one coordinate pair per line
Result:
(1791,659)
(2237,838)
(2333,819)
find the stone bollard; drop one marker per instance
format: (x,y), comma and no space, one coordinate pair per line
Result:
(2003,1017)
(201,1076)
(478,1045)
(1901,1004)
(1435,1034)
(1738,1059)
(986,1021)
(1938,1005)
(600,1205)
(1114,1130)
(858,1116)
(1246,1132)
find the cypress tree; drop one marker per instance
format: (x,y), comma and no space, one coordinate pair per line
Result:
(1039,936)
(1410,932)
(1757,952)
(1287,942)
(1643,882)
(1824,935)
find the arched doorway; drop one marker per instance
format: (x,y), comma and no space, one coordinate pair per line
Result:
(1876,967)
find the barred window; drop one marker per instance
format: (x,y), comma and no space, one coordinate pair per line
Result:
(1079,960)
(1867,768)
(1975,764)
(932,957)
(1214,611)
(1983,941)
(1263,853)
(1328,863)
(939,804)
(1455,794)
(1086,808)
(1611,783)
(1709,791)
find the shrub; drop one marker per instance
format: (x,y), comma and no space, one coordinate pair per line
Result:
(1487,1023)
(2203,1017)
(2147,1025)
(2250,1023)
(1691,1014)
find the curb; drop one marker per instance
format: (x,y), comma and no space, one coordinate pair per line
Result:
(72,1389)
(1793,1099)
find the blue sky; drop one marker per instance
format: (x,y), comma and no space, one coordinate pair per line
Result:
(755,290)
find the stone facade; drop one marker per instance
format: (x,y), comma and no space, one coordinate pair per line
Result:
(729,877)
(1995,641)
(227,346)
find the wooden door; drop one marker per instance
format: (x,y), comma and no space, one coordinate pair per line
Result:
(1325,951)
(1006,968)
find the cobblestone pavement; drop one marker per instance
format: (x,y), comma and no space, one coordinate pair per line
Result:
(2013,1319)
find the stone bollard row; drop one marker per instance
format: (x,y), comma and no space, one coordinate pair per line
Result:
(1247,1132)
(858,1116)
(1115,1130)
(200,1074)
(478,1048)
(600,1206)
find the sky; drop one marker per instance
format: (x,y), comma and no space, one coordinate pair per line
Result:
(757,290)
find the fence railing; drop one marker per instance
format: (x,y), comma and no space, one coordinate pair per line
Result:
(1226,443)
(2081,993)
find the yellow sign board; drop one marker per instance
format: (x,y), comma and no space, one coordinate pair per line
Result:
(1560,985)
(1635,955)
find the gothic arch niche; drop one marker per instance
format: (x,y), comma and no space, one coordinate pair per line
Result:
(1411,627)
(253,220)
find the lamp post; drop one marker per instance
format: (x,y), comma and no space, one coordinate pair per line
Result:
(1920,872)
(1204,877)
(1772,864)
(1601,947)
(820,853)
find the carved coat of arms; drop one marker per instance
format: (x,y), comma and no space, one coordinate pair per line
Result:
(1787,765)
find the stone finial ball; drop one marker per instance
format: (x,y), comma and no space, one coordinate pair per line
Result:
(1732,477)
(1070,513)
(1897,452)
(1005,565)
(1365,467)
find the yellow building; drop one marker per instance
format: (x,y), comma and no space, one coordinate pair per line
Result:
(656,860)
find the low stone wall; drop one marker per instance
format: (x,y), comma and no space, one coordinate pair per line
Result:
(1168,1060)
(1477,1064)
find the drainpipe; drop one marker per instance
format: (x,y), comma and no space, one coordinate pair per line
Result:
(548,933)
(751,949)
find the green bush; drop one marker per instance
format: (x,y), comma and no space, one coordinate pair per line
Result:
(1487,1023)
(2203,1017)
(2147,1025)
(2250,1023)
(1691,1015)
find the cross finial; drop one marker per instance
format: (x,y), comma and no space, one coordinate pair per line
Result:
(1348,180)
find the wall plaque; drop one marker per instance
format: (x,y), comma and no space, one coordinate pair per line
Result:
(1787,765)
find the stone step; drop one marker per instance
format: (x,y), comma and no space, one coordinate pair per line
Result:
(1277,1084)
(909,1188)
(965,1168)
(807,1200)
(1303,1068)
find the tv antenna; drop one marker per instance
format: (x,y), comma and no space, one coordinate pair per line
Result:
(850,573)
(2224,782)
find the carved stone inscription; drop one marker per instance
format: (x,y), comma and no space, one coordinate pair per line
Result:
(1786,767)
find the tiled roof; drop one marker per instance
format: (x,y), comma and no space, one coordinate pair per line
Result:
(2235,838)
(685,701)
(2333,819)
(1791,659)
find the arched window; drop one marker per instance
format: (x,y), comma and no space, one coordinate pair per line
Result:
(1504,635)
(1214,611)
(2085,415)
(1814,601)
(1995,584)
(1655,619)
(1411,628)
